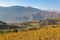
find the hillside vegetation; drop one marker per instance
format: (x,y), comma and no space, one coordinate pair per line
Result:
(32,25)
(48,29)
(41,34)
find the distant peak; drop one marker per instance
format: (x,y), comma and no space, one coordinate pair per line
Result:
(29,6)
(16,6)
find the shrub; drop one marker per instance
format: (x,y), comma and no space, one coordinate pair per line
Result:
(14,30)
(33,28)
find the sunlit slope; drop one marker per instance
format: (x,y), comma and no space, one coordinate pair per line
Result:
(41,34)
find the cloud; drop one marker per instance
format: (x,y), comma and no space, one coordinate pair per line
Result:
(8,3)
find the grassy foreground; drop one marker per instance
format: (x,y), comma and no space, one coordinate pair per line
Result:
(41,34)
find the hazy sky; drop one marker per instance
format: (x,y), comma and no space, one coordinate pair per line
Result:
(41,4)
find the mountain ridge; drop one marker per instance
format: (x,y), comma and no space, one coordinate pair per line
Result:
(22,14)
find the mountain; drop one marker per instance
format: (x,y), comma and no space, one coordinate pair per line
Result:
(57,11)
(36,16)
(22,14)
(15,11)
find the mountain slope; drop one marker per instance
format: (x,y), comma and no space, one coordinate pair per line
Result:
(36,16)
(22,14)
(15,11)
